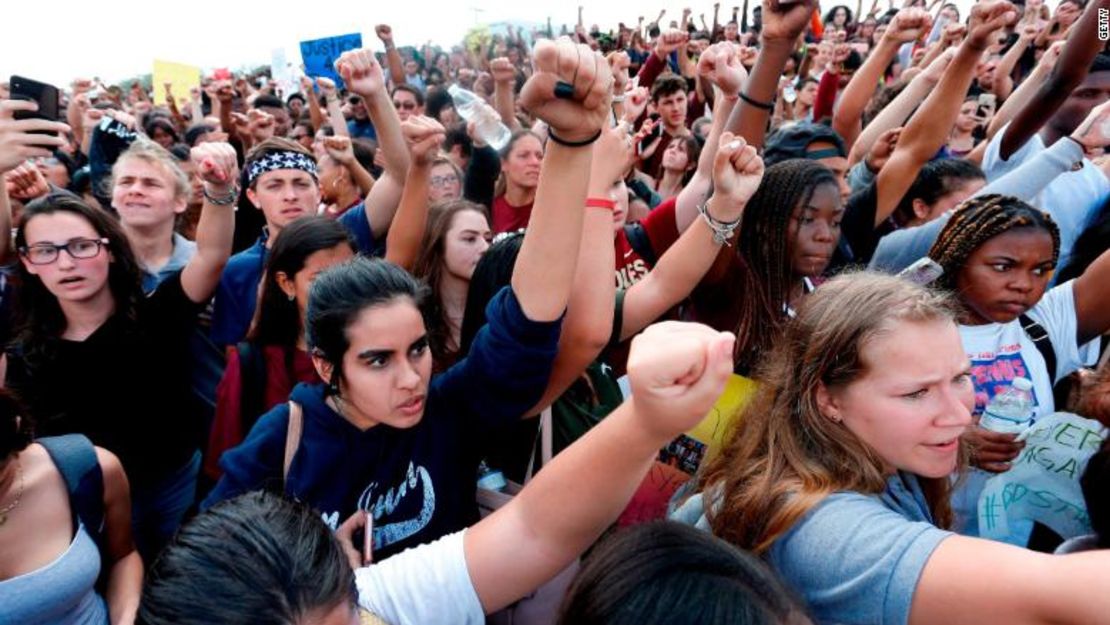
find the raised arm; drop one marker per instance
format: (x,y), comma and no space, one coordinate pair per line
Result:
(589,320)
(677,370)
(1003,73)
(363,75)
(1080,50)
(737,171)
(541,283)
(720,66)
(17,144)
(782,23)
(504,83)
(335,111)
(908,25)
(1029,87)
(217,166)
(423,135)
(927,130)
(392,57)
(342,150)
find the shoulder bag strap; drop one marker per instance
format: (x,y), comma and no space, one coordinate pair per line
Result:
(292,438)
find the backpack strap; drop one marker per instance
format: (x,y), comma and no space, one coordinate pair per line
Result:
(292,438)
(1042,342)
(638,238)
(75,458)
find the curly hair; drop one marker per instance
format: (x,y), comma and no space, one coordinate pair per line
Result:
(980,219)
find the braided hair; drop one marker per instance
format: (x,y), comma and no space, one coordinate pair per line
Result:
(980,219)
(764,250)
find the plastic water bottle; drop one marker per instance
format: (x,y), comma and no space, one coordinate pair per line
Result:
(1010,411)
(490,479)
(487,124)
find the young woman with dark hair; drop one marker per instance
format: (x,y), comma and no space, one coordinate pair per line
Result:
(85,321)
(263,369)
(384,435)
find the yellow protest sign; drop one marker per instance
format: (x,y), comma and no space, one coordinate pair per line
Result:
(181,77)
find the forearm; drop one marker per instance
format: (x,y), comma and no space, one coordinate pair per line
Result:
(849,111)
(547,525)
(1018,100)
(1032,176)
(315,115)
(215,233)
(1008,62)
(336,119)
(407,231)
(892,116)
(671,280)
(554,232)
(226,123)
(1076,57)
(124,588)
(748,121)
(503,102)
(395,64)
(361,177)
(697,190)
(826,95)
(650,70)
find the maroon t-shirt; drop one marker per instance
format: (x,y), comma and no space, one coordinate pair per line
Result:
(509,218)
(662,231)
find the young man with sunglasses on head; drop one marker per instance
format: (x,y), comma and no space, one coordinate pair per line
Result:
(408,101)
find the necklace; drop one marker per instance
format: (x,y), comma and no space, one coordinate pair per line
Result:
(18,495)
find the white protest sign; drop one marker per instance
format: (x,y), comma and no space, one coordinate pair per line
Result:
(1043,484)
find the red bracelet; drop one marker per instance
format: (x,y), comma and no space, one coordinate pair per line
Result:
(600,202)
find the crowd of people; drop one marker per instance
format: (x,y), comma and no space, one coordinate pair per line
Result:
(682,321)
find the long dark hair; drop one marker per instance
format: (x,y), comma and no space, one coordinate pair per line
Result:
(256,558)
(494,272)
(340,293)
(766,275)
(279,321)
(15,426)
(430,267)
(41,322)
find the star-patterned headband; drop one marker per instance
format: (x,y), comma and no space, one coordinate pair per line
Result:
(280,160)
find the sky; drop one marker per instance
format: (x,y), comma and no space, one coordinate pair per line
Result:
(118,39)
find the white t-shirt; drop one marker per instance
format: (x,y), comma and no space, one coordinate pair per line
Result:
(425,585)
(1073,198)
(1001,352)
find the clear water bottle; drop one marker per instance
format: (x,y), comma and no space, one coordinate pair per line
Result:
(1010,411)
(487,124)
(490,479)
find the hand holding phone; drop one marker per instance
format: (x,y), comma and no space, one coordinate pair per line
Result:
(44,95)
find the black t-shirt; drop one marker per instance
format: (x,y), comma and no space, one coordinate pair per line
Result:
(126,387)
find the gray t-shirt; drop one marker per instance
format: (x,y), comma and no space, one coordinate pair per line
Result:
(857,558)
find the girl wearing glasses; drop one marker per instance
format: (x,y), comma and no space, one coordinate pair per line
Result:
(94,356)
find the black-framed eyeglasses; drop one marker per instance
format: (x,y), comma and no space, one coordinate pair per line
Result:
(46,253)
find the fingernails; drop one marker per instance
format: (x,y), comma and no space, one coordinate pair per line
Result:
(734,145)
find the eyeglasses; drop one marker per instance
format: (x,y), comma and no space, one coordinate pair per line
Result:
(46,253)
(443,181)
(408,105)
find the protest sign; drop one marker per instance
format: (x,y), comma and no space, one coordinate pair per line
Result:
(1043,484)
(181,77)
(282,73)
(319,55)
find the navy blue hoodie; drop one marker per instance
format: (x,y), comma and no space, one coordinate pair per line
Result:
(419,482)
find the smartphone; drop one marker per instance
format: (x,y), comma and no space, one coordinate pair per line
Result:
(655,133)
(46,95)
(923,271)
(987,102)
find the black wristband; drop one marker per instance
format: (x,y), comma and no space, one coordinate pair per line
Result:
(572,144)
(759,105)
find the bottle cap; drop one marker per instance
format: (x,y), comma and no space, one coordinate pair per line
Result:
(1023,384)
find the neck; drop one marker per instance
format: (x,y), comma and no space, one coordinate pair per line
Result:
(452,294)
(519,196)
(153,245)
(674,131)
(272,232)
(347,197)
(671,181)
(83,318)
(350,414)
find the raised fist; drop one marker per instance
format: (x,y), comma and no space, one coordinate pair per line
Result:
(385,33)
(737,171)
(669,41)
(987,17)
(618,65)
(882,149)
(362,73)
(1091,134)
(424,135)
(677,371)
(339,148)
(216,165)
(909,25)
(502,71)
(784,21)
(635,101)
(26,182)
(260,124)
(327,87)
(588,82)
(720,64)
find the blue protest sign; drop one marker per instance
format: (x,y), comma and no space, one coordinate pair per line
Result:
(319,55)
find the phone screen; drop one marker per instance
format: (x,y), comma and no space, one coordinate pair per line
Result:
(46,95)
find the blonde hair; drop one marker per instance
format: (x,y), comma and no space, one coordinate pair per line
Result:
(784,457)
(150,152)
